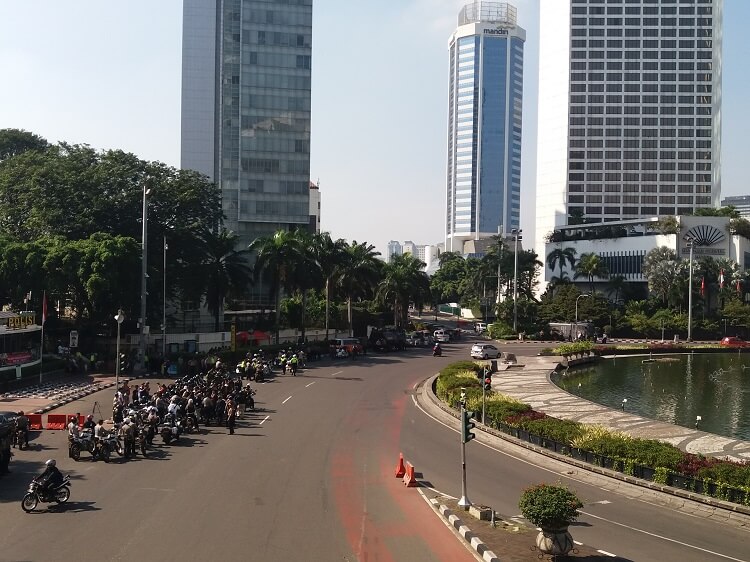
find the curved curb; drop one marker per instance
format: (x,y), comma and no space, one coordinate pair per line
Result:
(728,510)
(461,529)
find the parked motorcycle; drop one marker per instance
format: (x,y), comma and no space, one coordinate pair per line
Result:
(19,438)
(34,495)
(86,442)
(171,430)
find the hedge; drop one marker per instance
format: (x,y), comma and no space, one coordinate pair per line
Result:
(666,461)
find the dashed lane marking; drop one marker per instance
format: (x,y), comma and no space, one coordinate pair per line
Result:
(337,373)
(312,383)
(287,400)
(605,553)
(264,420)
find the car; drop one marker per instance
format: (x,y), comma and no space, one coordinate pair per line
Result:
(733,341)
(350,345)
(485,351)
(480,327)
(7,422)
(441,336)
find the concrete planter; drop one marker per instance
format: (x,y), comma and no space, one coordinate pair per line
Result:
(555,542)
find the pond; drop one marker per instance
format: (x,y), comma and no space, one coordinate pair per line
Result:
(674,389)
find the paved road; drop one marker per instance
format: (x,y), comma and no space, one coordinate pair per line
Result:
(311,478)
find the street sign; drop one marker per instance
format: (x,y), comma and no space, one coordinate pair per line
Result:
(73,338)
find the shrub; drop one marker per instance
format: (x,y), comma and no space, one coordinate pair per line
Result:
(732,473)
(563,431)
(498,411)
(549,507)
(497,330)
(461,367)
(522,419)
(575,347)
(691,465)
(445,385)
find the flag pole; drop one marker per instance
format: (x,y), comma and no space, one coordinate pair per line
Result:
(41,346)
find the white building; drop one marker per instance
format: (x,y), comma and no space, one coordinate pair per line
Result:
(740,202)
(484,123)
(629,110)
(314,207)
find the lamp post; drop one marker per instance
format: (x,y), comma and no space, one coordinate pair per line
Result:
(118,318)
(690,291)
(577,298)
(164,304)
(500,236)
(516,232)
(144,276)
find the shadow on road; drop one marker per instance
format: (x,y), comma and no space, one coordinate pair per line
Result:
(72,507)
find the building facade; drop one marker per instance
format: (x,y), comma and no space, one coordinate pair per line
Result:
(740,202)
(394,249)
(629,110)
(315,208)
(484,123)
(246,71)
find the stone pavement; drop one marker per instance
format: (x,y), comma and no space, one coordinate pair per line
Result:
(530,382)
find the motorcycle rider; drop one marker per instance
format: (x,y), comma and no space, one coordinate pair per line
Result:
(89,423)
(50,478)
(293,363)
(22,423)
(437,350)
(73,432)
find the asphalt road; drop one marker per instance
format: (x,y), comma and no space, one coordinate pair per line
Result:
(310,477)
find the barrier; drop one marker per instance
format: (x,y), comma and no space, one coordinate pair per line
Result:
(81,419)
(400,470)
(409,480)
(56,421)
(35,421)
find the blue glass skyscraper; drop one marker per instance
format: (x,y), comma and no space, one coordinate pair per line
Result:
(484,123)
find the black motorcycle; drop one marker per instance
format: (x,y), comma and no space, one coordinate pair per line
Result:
(19,438)
(86,442)
(34,495)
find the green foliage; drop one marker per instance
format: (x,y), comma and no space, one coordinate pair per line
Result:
(661,475)
(549,506)
(563,431)
(497,330)
(732,473)
(573,348)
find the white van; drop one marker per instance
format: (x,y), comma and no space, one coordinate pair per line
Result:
(480,327)
(441,336)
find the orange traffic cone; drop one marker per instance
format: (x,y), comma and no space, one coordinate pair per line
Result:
(400,468)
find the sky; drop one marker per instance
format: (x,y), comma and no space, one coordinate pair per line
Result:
(96,73)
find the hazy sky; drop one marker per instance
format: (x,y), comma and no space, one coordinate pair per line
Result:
(108,74)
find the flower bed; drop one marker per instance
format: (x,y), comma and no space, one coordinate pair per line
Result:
(648,459)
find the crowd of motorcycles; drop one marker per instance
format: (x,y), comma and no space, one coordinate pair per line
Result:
(169,412)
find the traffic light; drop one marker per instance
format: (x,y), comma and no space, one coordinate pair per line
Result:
(123,362)
(488,383)
(467,425)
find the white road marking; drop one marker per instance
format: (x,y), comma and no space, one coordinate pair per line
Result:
(337,373)
(264,419)
(582,482)
(605,553)
(602,502)
(312,383)
(579,543)
(665,538)
(158,489)
(287,400)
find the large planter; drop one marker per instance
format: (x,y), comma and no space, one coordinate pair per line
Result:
(556,542)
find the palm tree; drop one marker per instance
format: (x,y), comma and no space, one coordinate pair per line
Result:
(223,268)
(617,283)
(305,273)
(330,255)
(277,256)
(403,281)
(590,266)
(561,256)
(358,274)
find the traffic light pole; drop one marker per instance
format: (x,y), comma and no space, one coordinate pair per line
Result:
(484,393)
(464,502)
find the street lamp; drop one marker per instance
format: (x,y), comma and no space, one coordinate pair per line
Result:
(118,318)
(576,322)
(144,276)
(516,232)
(690,290)
(164,305)
(500,236)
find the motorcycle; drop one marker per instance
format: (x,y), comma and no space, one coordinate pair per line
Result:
(34,495)
(86,442)
(437,351)
(113,443)
(171,430)
(19,438)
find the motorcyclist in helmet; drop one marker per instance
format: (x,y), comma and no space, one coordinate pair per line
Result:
(50,478)
(22,423)
(89,423)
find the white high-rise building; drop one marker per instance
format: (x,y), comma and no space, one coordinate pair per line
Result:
(629,110)
(484,123)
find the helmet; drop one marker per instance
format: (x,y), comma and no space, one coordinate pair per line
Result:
(73,418)
(20,413)
(90,417)
(50,462)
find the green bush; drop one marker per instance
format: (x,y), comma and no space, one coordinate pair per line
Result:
(549,507)
(497,330)
(733,474)
(564,431)
(572,348)
(460,367)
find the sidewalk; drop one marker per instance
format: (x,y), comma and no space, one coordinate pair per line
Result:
(530,383)
(41,404)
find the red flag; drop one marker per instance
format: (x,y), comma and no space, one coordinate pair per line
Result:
(721,279)
(44,308)
(703,286)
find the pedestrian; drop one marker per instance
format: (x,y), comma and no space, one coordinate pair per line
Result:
(231,415)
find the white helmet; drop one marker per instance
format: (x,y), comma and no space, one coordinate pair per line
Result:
(51,462)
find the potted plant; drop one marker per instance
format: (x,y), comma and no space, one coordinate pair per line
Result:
(552,508)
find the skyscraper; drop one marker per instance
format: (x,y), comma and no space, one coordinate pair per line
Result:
(484,123)
(246,70)
(629,110)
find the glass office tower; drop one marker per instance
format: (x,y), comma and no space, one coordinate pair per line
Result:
(484,123)
(246,74)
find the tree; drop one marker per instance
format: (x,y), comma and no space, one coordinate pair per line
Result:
(17,141)
(403,281)
(617,283)
(331,256)
(447,282)
(276,257)
(590,265)
(358,274)
(222,269)
(561,256)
